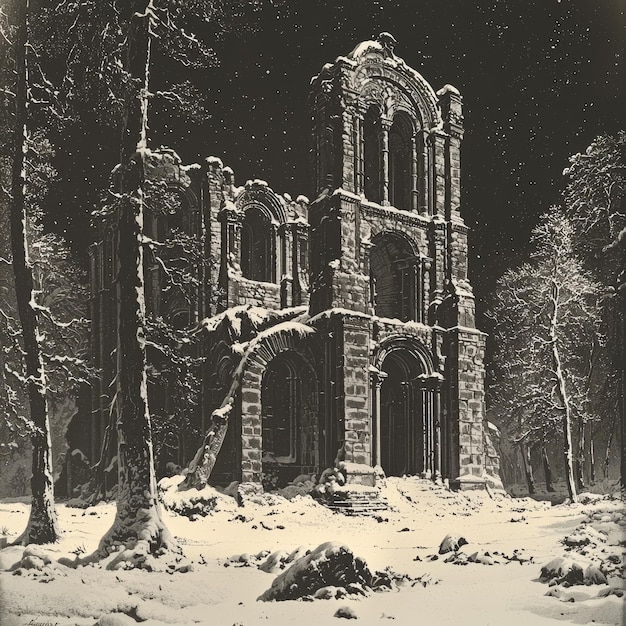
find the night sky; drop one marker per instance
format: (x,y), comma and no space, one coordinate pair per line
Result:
(540,79)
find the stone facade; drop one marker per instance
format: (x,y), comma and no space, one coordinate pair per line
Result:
(337,329)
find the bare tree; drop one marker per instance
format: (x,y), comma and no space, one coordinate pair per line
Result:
(546,323)
(595,200)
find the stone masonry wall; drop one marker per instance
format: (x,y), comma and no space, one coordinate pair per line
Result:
(466,373)
(356,339)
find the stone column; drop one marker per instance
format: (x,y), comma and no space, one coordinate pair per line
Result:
(376,382)
(385,125)
(231,255)
(405,387)
(414,175)
(423,173)
(359,148)
(299,237)
(274,260)
(287,274)
(415,274)
(426,264)
(437,433)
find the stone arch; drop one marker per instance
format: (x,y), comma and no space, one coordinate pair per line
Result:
(418,351)
(406,418)
(287,337)
(394,276)
(406,83)
(257,193)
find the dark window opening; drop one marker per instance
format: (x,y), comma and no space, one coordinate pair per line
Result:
(400,156)
(256,247)
(281,404)
(394,278)
(289,410)
(371,155)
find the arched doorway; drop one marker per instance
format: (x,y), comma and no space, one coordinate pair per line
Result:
(407,429)
(290,424)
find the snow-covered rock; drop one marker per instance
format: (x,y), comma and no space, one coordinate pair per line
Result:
(562,570)
(451,543)
(346,612)
(330,564)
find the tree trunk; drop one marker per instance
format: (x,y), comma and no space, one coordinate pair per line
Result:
(528,468)
(98,471)
(138,524)
(579,464)
(564,398)
(592,457)
(547,468)
(42,524)
(622,341)
(204,460)
(607,454)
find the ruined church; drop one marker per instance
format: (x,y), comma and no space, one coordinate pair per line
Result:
(338,325)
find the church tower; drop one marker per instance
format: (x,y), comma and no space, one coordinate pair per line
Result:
(389,250)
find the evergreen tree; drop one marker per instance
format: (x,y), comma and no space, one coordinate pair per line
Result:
(42,526)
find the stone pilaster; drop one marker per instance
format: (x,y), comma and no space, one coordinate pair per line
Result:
(452,113)
(252,427)
(437,252)
(438,150)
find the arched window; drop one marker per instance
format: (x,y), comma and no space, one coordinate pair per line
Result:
(290,422)
(256,247)
(394,279)
(280,400)
(371,155)
(400,156)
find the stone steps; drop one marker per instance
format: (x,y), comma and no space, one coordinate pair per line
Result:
(356,502)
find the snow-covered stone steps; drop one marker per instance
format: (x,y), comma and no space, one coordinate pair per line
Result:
(357,502)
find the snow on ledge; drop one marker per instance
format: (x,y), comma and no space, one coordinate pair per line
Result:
(214,162)
(448,89)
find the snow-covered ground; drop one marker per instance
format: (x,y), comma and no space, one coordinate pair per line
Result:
(222,590)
